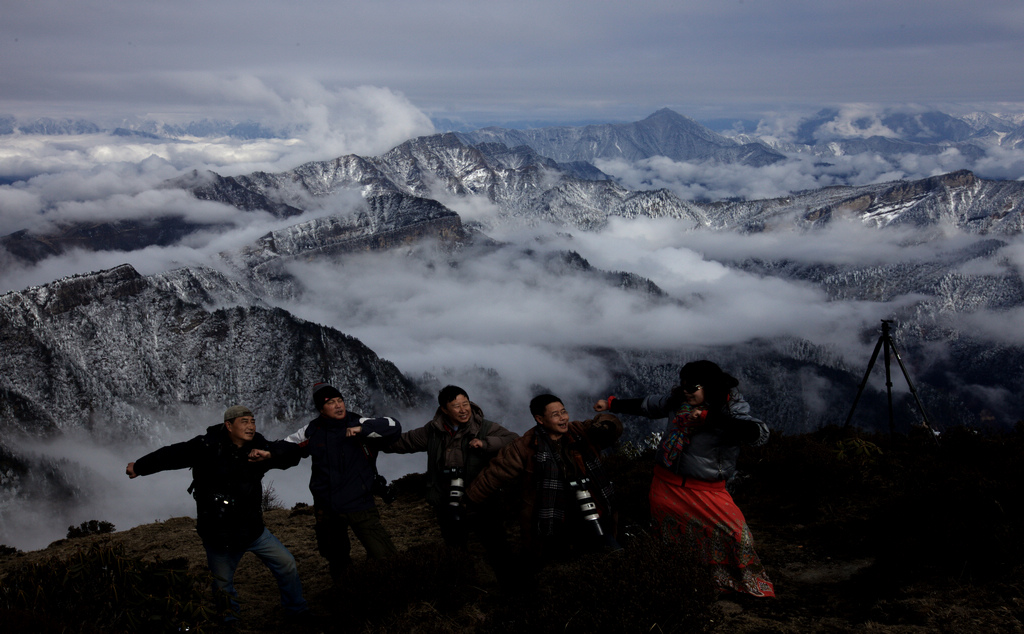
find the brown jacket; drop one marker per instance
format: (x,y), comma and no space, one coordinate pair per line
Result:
(418,439)
(455,445)
(516,461)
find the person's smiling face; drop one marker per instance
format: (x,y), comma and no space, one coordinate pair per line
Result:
(459,410)
(555,420)
(241,430)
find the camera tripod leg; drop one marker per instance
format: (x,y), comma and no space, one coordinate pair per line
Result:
(886,342)
(867,375)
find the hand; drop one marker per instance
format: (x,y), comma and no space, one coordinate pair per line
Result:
(476,443)
(130,470)
(352,431)
(259,455)
(601,406)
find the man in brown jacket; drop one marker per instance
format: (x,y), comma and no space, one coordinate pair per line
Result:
(459,443)
(567,499)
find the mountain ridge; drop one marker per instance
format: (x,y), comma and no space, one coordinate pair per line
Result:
(663,133)
(130,346)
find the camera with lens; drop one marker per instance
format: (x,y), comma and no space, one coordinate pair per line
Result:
(587,506)
(456,489)
(384,490)
(222,504)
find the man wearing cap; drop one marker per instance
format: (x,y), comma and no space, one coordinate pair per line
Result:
(228,463)
(343,447)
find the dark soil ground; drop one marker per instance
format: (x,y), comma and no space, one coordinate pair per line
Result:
(859,534)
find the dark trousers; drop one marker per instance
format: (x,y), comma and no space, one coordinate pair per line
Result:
(486,523)
(333,542)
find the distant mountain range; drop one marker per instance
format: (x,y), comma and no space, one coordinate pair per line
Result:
(664,133)
(528,188)
(142,129)
(62,340)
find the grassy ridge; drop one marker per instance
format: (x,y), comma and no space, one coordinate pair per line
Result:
(858,532)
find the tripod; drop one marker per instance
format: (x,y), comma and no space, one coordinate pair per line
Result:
(885,342)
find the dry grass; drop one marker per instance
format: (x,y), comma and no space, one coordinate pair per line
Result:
(914,539)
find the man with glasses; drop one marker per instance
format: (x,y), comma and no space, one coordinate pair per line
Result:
(228,463)
(567,499)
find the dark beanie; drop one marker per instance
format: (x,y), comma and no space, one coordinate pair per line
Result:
(323,393)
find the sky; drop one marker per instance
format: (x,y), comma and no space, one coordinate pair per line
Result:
(530,60)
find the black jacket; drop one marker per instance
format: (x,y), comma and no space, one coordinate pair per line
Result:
(228,489)
(344,467)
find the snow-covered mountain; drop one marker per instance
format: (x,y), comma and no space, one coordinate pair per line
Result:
(960,200)
(892,134)
(147,128)
(118,353)
(49,126)
(525,188)
(664,133)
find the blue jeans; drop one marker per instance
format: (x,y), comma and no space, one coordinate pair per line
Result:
(274,555)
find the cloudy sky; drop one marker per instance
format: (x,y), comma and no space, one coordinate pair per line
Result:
(528,60)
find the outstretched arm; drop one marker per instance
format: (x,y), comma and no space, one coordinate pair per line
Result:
(496,439)
(177,456)
(410,442)
(740,425)
(281,453)
(503,469)
(655,406)
(603,430)
(383,430)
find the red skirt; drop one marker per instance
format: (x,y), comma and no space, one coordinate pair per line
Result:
(703,516)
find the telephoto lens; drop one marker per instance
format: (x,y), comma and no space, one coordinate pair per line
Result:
(587,506)
(456,489)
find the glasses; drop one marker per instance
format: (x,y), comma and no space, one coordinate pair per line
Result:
(690,388)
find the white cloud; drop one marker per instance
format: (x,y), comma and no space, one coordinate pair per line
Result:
(852,122)
(521,316)
(800,172)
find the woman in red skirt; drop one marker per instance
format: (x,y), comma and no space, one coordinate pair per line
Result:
(708,422)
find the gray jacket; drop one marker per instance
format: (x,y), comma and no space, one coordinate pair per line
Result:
(712,450)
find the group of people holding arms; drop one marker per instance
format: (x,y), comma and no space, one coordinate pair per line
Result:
(567,505)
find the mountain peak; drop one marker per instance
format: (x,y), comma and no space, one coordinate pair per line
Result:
(667,114)
(663,133)
(70,292)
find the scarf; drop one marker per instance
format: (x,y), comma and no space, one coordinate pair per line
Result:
(557,463)
(687,420)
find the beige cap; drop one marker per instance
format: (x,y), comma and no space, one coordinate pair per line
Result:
(234,412)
